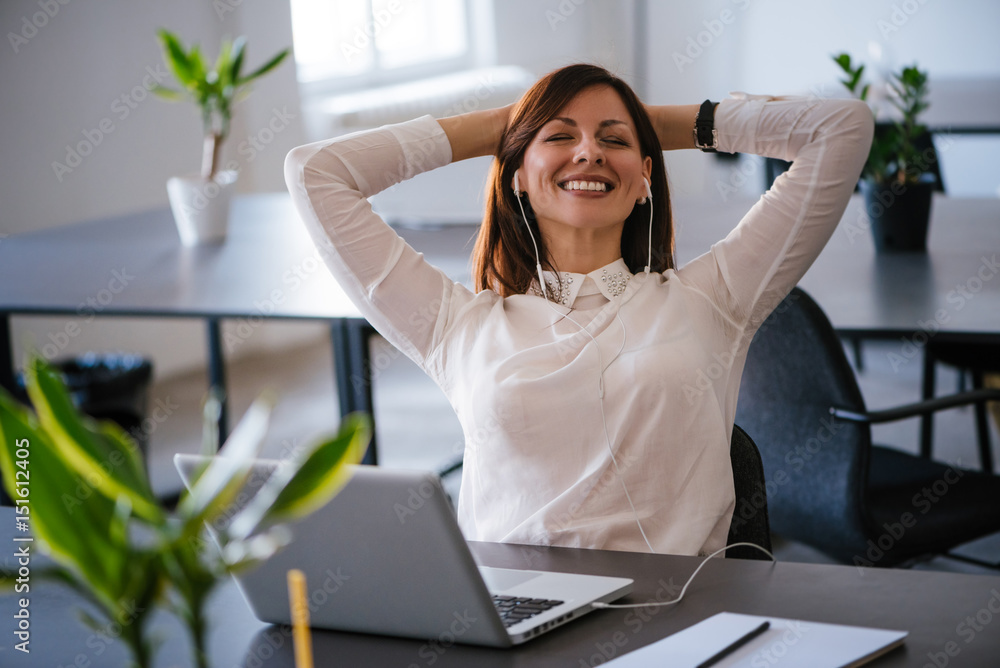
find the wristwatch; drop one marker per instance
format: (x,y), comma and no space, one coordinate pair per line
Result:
(706,137)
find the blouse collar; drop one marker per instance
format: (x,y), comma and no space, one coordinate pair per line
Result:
(564,287)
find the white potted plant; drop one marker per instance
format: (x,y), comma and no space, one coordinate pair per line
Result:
(200,202)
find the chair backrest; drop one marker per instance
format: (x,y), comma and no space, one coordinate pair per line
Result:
(750,520)
(815,466)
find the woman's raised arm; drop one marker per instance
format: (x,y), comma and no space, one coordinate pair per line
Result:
(476,133)
(674,124)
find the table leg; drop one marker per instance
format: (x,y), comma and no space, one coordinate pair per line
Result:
(341,365)
(217,374)
(352,367)
(927,392)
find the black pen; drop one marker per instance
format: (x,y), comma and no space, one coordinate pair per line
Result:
(739,642)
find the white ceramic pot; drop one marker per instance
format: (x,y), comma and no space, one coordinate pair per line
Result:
(201,207)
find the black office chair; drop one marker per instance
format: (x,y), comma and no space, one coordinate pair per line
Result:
(750,520)
(977,359)
(831,488)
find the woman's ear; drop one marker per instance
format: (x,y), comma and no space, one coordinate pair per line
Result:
(647,189)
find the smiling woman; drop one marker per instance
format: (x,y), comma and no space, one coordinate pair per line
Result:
(568,378)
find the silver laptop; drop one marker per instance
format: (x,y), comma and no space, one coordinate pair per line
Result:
(386,556)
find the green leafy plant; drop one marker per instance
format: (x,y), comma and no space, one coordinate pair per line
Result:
(214,89)
(82,488)
(894,155)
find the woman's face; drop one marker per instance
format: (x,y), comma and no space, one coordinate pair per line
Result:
(584,168)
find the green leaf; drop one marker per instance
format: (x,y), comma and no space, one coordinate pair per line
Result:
(263,69)
(117,440)
(107,463)
(71,520)
(223,478)
(844,60)
(176,57)
(856,77)
(198,70)
(169,93)
(239,49)
(309,480)
(222,63)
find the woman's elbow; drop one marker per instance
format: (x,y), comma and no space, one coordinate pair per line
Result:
(857,119)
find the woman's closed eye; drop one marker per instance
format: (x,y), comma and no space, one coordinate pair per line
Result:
(617,141)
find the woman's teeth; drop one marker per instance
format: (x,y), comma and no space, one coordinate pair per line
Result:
(585,185)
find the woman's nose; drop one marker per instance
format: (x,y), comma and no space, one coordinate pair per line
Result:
(589,150)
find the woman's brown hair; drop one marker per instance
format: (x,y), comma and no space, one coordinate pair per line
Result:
(504,258)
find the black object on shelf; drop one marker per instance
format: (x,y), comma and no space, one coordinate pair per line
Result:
(109,386)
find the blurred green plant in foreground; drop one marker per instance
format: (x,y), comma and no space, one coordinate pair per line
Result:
(83,489)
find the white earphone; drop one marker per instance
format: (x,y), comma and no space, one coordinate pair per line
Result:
(538,258)
(649,198)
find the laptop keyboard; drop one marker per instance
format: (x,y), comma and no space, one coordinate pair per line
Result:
(513,609)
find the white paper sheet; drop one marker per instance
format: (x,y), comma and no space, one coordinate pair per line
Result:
(787,643)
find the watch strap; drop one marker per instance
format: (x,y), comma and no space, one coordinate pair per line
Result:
(706,137)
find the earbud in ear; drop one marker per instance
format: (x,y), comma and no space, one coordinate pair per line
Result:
(517,186)
(649,194)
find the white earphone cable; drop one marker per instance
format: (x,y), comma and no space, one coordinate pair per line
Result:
(599,604)
(600,358)
(538,258)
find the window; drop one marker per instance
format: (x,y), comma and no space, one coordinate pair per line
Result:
(343,45)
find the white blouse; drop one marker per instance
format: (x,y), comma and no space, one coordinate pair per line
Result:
(525,380)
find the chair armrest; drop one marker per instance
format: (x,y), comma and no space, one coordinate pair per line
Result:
(919,408)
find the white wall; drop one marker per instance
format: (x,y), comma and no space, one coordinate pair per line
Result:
(707,49)
(788,44)
(68,79)
(544,35)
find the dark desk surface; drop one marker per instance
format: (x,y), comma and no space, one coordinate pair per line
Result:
(267,267)
(268,251)
(964,105)
(955,286)
(932,606)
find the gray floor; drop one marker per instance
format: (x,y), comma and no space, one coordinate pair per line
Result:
(417,427)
